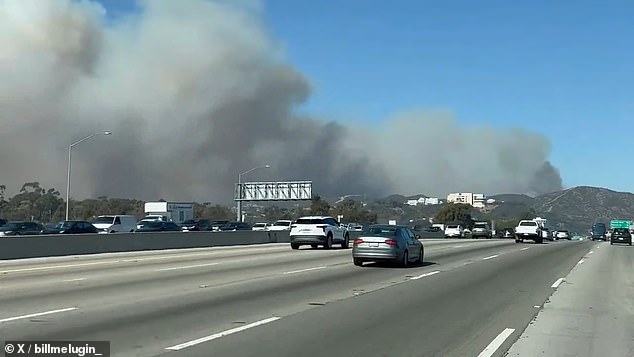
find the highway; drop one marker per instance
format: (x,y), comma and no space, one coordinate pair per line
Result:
(469,298)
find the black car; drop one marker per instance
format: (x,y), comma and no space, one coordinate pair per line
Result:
(158,226)
(235,226)
(21,228)
(621,235)
(215,225)
(2,222)
(72,227)
(197,224)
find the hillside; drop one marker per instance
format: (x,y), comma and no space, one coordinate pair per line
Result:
(579,207)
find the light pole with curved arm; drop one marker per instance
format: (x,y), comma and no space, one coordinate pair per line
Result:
(70,148)
(239,203)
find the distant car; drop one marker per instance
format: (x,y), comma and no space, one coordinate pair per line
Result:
(481,230)
(235,226)
(260,227)
(354,227)
(454,231)
(21,228)
(115,223)
(563,234)
(509,233)
(2,222)
(318,230)
(72,227)
(216,224)
(158,226)
(387,243)
(621,235)
(196,224)
(281,225)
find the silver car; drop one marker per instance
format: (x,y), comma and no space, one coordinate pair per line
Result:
(387,243)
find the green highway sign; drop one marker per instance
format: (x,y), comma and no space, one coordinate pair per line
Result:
(620,224)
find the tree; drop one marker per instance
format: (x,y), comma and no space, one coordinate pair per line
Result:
(319,207)
(455,213)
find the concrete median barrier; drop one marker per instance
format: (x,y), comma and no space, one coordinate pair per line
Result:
(60,245)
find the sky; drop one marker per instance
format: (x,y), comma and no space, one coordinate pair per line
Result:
(561,68)
(456,94)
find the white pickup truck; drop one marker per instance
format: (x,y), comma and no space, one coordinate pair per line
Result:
(529,229)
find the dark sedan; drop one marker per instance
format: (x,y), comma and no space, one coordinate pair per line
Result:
(235,226)
(197,224)
(158,226)
(72,227)
(21,228)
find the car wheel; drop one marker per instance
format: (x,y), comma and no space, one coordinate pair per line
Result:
(314,246)
(357,262)
(611,243)
(346,242)
(405,261)
(294,246)
(328,243)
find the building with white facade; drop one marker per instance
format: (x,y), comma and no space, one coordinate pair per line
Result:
(477,200)
(427,201)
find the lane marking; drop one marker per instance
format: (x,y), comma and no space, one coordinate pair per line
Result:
(424,275)
(527,248)
(581,261)
(188,267)
(557,283)
(536,306)
(76,279)
(222,334)
(38,314)
(592,251)
(303,270)
(496,343)
(459,246)
(491,257)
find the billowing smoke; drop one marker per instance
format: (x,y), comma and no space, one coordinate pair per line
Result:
(196,92)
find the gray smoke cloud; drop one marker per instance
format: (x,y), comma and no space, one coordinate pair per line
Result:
(197,91)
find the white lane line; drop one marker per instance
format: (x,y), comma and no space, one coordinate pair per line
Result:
(52,267)
(536,306)
(188,267)
(581,261)
(458,246)
(491,257)
(37,314)
(222,334)
(557,283)
(424,275)
(592,251)
(303,270)
(527,248)
(496,343)
(76,279)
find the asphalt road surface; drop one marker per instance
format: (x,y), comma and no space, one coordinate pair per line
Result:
(469,298)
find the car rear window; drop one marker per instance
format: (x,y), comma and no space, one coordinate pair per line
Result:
(380,231)
(528,224)
(621,230)
(309,221)
(452,227)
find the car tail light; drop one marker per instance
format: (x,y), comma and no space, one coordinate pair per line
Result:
(358,241)
(391,242)
(322,227)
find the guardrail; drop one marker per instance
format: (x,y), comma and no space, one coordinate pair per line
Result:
(20,247)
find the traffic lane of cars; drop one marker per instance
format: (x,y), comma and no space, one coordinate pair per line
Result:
(138,311)
(592,311)
(458,312)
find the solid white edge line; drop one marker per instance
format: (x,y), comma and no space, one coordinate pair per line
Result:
(424,275)
(557,283)
(188,267)
(496,343)
(491,257)
(304,270)
(221,334)
(581,261)
(592,251)
(76,279)
(526,248)
(37,314)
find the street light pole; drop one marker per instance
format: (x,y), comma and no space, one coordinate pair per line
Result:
(239,202)
(70,149)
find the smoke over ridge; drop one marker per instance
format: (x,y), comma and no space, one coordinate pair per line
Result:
(196,92)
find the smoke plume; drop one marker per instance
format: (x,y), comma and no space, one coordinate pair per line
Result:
(197,91)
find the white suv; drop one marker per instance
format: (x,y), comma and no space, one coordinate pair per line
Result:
(318,230)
